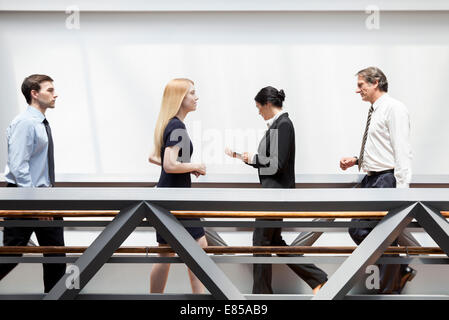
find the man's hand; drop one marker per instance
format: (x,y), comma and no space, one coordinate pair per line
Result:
(347,162)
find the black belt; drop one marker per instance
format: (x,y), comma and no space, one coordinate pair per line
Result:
(377,173)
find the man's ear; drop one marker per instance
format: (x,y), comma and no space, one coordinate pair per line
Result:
(34,94)
(375,84)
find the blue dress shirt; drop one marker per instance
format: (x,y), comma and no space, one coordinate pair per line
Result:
(27,164)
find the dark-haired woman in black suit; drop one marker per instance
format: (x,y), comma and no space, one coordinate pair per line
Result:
(276,167)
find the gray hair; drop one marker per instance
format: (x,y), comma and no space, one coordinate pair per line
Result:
(373,74)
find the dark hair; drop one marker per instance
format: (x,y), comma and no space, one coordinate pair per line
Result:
(373,74)
(270,94)
(33,83)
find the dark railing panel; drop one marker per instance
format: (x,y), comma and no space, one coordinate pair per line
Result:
(429,201)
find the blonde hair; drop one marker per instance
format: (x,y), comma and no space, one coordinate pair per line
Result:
(174,94)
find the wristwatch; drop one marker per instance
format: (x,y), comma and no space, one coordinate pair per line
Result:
(356,160)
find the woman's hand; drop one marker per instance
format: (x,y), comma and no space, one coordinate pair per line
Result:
(200,168)
(229,152)
(153,159)
(233,154)
(195,173)
(247,157)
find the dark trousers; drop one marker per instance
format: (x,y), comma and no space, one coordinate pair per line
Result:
(262,273)
(390,274)
(48,236)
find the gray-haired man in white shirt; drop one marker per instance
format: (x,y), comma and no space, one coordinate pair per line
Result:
(385,155)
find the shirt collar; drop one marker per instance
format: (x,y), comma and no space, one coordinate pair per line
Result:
(272,120)
(36,113)
(380,100)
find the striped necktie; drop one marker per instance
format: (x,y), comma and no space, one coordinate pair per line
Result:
(365,136)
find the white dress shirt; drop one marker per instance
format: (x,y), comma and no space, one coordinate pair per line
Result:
(269,122)
(388,141)
(272,120)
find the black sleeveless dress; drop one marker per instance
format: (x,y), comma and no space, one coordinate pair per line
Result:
(175,133)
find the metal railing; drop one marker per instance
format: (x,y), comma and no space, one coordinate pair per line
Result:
(136,204)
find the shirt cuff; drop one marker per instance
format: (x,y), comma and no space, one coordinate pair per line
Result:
(252,160)
(403,185)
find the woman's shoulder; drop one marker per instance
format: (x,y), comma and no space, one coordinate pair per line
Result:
(174,123)
(285,120)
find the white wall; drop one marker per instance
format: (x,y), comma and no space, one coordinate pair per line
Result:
(110,75)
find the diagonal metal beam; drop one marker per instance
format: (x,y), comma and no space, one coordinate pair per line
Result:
(213,238)
(100,251)
(367,253)
(406,239)
(308,238)
(434,224)
(213,278)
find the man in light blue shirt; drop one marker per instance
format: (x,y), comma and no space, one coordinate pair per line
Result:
(27,164)
(31,164)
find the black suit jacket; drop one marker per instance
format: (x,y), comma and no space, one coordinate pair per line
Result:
(275,160)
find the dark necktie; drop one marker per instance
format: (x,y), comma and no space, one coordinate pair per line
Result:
(365,136)
(50,155)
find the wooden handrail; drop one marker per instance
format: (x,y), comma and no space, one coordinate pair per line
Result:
(205,214)
(286,214)
(224,250)
(280,214)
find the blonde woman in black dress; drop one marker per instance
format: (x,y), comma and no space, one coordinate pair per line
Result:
(173,150)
